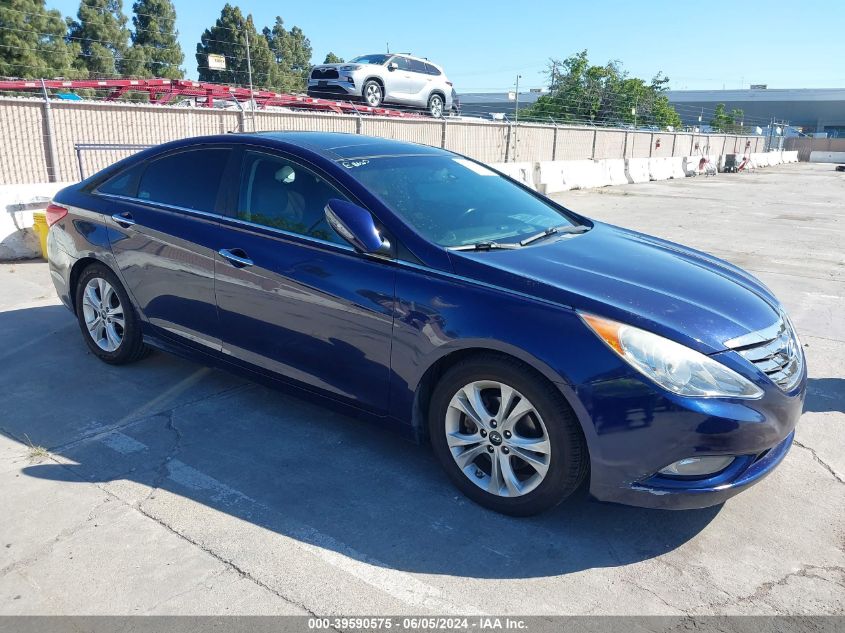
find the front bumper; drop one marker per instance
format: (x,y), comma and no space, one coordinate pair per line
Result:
(333,88)
(634,429)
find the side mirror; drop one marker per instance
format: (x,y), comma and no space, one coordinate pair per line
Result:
(392,66)
(357,227)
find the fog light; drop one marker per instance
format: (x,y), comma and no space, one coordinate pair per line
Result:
(697,466)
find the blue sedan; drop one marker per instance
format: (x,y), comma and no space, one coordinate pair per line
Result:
(539,352)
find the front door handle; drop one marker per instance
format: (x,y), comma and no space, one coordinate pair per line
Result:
(236,256)
(124,219)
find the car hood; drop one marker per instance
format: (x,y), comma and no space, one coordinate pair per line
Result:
(678,292)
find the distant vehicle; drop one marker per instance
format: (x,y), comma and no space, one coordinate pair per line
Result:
(385,78)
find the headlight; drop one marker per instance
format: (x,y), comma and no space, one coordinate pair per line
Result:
(347,68)
(671,365)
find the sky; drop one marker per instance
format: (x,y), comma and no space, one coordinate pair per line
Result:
(483,46)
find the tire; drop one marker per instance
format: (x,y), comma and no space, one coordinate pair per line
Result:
(372,93)
(110,338)
(550,425)
(436,106)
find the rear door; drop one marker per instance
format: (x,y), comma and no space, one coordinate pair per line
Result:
(419,83)
(398,82)
(164,239)
(293,297)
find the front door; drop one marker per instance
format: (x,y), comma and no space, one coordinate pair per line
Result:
(293,297)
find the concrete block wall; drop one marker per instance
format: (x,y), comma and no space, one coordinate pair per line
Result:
(25,155)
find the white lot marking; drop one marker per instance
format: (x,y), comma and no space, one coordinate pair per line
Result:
(192,478)
(124,444)
(401,585)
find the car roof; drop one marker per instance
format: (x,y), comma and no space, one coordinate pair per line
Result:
(345,146)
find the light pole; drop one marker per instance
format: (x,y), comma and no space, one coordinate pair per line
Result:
(516,115)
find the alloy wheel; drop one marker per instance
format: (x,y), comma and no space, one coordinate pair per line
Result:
(435,106)
(373,94)
(103,314)
(497,438)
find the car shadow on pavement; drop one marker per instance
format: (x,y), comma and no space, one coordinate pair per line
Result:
(290,466)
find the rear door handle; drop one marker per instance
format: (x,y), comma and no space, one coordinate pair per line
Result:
(124,219)
(236,256)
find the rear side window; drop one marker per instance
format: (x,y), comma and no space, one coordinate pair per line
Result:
(188,179)
(417,66)
(431,70)
(123,184)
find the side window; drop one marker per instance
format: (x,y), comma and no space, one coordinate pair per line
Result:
(188,179)
(281,194)
(417,66)
(402,62)
(123,184)
(431,70)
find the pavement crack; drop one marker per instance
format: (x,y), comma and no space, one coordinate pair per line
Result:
(47,547)
(162,470)
(823,463)
(225,561)
(105,430)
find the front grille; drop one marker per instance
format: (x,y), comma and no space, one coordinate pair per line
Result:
(776,352)
(324,73)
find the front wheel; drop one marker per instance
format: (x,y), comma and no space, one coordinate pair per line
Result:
(373,94)
(435,106)
(506,437)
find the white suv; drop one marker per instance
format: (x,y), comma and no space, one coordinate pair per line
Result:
(385,78)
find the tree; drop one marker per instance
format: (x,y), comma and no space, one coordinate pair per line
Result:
(228,37)
(331,58)
(102,35)
(292,52)
(606,95)
(155,44)
(730,123)
(32,42)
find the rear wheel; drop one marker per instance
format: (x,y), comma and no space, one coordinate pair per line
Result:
(505,436)
(373,93)
(435,106)
(108,321)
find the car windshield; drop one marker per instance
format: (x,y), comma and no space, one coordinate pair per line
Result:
(370,59)
(453,201)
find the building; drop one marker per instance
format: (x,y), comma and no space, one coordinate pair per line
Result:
(486,104)
(818,111)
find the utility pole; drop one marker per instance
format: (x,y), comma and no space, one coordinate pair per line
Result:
(516,116)
(634,110)
(249,71)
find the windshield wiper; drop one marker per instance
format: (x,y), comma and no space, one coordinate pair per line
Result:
(483,246)
(555,230)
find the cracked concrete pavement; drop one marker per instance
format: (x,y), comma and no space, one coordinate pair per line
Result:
(171,488)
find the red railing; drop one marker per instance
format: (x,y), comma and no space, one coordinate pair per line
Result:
(162,91)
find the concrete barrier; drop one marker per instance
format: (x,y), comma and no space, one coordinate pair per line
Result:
(614,170)
(790,157)
(563,175)
(636,170)
(548,174)
(659,169)
(17,202)
(827,157)
(692,165)
(676,167)
(523,172)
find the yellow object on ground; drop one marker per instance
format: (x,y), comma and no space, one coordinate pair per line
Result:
(40,227)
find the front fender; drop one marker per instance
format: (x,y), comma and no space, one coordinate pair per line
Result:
(438,314)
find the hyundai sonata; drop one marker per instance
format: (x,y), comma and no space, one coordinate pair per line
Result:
(540,352)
